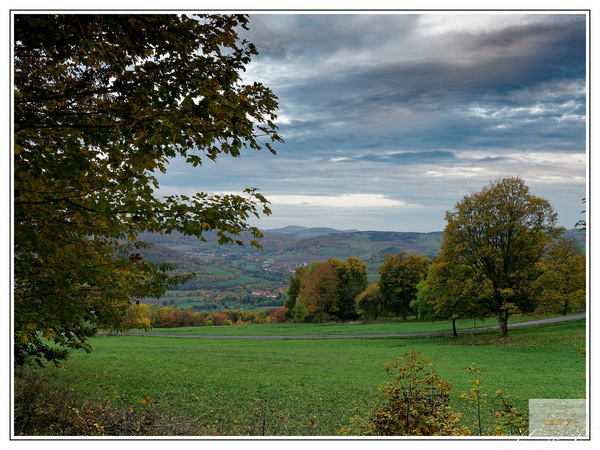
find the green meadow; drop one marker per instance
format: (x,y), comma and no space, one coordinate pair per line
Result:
(313,387)
(381,326)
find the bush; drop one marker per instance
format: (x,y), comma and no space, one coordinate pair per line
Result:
(413,403)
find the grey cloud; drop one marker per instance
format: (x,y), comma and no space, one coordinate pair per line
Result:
(302,36)
(427,157)
(373,104)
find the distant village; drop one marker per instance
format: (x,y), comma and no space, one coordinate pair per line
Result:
(266,265)
(268,294)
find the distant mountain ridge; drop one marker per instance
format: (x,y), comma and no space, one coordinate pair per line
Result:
(311,242)
(300,232)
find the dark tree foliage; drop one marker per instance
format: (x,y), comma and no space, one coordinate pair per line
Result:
(352,274)
(399,277)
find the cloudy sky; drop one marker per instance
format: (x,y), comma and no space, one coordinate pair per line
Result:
(390,119)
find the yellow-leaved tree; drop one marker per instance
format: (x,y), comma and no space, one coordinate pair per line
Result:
(562,286)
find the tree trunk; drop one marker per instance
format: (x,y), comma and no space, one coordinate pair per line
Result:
(503,324)
(454,327)
(565,308)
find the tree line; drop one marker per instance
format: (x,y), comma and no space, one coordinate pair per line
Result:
(142,316)
(502,254)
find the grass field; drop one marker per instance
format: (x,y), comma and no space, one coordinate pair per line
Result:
(380,327)
(307,387)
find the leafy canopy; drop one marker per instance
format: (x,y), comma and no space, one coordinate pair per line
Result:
(399,277)
(101,103)
(453,291)
(370,303)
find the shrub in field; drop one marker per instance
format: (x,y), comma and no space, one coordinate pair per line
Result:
(416,403)
(413,403)
(138,316)
(476,396)
(279,315)
(509,419)
(173,317)
(218,318)
(233,315)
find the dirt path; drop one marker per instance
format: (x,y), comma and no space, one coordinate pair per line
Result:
(339,336)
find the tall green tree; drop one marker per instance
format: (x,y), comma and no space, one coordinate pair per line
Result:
(422,308)
(352,275)
(296,282)
(500,233)
(398,280)
(452,291)
(102,102)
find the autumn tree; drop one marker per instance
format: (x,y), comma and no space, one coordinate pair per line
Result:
(326,290)
(370,303)
(102,102)
(138,316)
(318,299)
(500,234)
(399,277)
(561,287)
(352,276)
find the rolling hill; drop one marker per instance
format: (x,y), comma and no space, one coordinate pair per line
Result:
(321,243)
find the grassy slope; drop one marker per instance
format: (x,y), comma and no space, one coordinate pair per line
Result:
(235,384)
